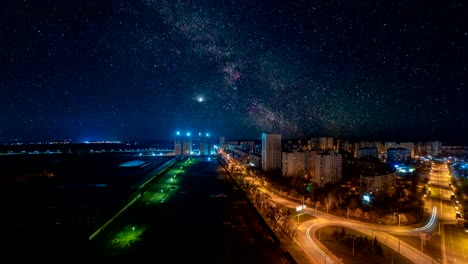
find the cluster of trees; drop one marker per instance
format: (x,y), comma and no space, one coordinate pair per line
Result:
(334,198)
(278,219)
(360,244)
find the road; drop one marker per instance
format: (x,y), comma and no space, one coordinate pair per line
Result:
(454,240)
(308,238)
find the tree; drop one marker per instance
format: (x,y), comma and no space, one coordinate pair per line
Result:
(340,195)
(318,204)
(366,216)
(329,201)
(352,204)
(358,213)
(343,233)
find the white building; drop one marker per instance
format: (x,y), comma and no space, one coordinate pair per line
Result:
(293,163)
(271,152)
(436,148)
(328,168)
(375,184)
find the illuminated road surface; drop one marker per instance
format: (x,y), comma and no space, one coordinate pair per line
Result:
(454,241)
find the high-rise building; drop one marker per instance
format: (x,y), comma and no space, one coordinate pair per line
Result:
(205,144)
(326,143)
(377,183)
(293,163)
(183,144)
(436,148)
(409,146)
(398,156)
(389,145)
(187,144)
(310,157)
(177,144)
(367,153)
(314,143)
(328,168)
(323,141)
(271,152)
(330,143)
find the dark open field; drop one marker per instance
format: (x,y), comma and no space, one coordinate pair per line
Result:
(50,199)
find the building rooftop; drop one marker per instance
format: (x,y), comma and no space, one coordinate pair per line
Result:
(133,163)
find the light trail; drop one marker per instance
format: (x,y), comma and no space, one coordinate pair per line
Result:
(327,258)
(430,222)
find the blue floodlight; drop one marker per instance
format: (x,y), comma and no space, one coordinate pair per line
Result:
(178,133)
(207,134)
(366,198)
(188,134)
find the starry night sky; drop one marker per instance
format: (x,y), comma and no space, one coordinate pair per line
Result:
(142,69)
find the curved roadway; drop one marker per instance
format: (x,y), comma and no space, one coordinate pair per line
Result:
(313,248)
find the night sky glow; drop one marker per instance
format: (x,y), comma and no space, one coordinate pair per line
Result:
(143,69)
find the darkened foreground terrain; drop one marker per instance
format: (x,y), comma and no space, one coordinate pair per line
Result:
(52,200)
(205,220)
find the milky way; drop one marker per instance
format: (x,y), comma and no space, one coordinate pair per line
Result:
(144,69)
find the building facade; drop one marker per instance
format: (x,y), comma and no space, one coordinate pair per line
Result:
(293,163)
(398,156)
(377,185)
(183,144)
(328,168)
(205,144)
(271,152)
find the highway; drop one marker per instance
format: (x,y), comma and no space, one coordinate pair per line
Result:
(454,247)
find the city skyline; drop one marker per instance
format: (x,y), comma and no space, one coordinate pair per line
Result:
(141,70)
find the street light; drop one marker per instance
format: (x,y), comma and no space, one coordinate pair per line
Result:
(299,209)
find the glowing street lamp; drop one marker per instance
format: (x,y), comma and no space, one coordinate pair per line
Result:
(299,209)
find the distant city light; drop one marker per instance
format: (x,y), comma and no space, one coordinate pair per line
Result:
(178,133)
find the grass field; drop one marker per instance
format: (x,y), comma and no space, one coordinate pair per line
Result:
(346,253)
